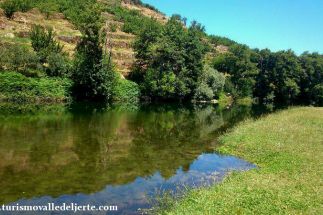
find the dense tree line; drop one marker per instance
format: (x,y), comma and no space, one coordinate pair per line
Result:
(273,77)
(170,59)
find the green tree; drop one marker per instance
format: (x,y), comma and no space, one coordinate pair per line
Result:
(311,77)
(43,42)
(169,59)
(242,70)
(93,75)
(210,84)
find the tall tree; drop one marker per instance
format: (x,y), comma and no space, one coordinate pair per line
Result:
(93,75)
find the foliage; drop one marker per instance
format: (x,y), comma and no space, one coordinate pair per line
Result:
(9,8)
(58,65)
(273,78)
(19,88)
(217,40)
(48,7)
(12,6)
(279,77)
(93,74)
(139,2)
(317,94)
(17,58)
(49,51)
(210,85)
(169,60)
(126,91)
(311,77)
(133,20)
(242,70)
(43,42)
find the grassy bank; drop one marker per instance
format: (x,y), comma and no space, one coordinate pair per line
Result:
(288,148)
(15,87)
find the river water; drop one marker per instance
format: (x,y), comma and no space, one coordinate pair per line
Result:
(120,155)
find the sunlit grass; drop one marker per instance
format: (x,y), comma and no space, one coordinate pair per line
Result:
(287,147)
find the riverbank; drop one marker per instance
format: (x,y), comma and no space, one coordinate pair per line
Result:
(287,147)
(15,87)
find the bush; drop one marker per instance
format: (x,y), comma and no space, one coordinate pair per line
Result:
(24,5)
(19,88)
(48,8)
(58,65)
(126,91)
(17,58)
(203,92)
(43,42)
(12,6)
(9,7)
(210,84)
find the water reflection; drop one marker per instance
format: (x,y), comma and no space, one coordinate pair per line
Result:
(96,154)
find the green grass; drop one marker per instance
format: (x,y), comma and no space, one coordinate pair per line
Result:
(15,87)
(288,148)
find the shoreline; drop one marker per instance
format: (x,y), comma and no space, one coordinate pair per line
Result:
(287,148)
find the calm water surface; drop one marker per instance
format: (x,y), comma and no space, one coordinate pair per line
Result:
(122,155)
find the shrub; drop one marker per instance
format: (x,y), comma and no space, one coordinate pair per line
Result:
(58,65)
(17,58)
(210,84)
(203,92)
(126,91)
(24,5)
(19,88)
(113,27)
(9,7)
(43,42)
(12,6)
(48,8)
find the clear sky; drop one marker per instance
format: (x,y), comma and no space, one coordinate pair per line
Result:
(273,24)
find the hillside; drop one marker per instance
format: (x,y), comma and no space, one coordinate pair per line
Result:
(157,57)
(16,30)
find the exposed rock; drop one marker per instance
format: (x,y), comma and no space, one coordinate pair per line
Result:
(9,35)
(2,25)
(124,44)
(57,16)
(222,49)
(69,39)
(22,34)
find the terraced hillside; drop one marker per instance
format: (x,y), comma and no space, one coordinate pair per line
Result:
(119,40)
(16,30)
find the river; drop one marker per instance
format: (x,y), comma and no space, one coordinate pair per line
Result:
(119,155)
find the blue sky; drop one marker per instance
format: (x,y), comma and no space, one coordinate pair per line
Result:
(273,24)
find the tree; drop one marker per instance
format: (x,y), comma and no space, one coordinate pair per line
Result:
(241,69)
(170,60)
(311,77)
(93,74)
(210,84)
(317,94)
(43,42)
(279,77)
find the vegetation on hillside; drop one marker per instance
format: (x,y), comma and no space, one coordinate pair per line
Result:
(15,87)
(288,180)
(170,58)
